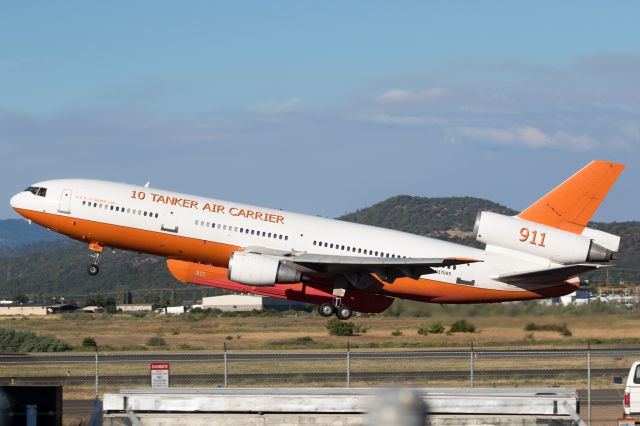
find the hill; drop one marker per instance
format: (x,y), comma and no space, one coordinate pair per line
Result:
(18,232)
(450,219)
(39,262)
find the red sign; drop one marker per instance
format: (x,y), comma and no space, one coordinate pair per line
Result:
(160,375)
(159,365)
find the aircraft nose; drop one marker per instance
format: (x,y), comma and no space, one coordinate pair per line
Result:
(15,200)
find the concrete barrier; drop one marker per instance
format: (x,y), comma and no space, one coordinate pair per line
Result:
(331,406)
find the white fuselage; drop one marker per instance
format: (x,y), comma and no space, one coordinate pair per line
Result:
(222,223)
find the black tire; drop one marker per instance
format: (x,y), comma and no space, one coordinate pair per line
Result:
(344,312)
(93,270)
(326,309)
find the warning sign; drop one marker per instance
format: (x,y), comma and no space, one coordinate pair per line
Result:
(159,375)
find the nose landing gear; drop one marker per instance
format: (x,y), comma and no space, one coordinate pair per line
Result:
(96,249)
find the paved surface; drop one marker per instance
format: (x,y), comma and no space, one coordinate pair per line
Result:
(67,357)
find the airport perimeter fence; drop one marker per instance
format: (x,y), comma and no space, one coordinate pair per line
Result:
(87,375)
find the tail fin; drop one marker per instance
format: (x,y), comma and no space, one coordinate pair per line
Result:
(570,205)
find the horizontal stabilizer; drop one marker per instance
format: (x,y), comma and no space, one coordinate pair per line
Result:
(547,275)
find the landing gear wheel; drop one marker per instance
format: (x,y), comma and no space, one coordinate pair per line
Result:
(93,270)
(326,309)
(344,312)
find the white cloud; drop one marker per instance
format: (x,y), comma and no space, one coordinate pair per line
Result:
(279,106)
(401,120)
(400,95)
(527,136)
(436,92)
(396,95)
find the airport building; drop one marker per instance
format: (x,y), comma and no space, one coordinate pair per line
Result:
(243,302)
(137,307)
(233,302)
(26,310)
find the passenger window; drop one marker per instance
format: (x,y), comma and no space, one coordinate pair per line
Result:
(156,215)
(636,377)
(111,208)
(128,210)
(331,246)
(241,230)
(264,233)
(269,234)
(95,204)
(235,229)
(280,236)
(84,202)
(326,244)
(286,237)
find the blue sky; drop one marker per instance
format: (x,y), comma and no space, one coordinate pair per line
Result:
(322,107)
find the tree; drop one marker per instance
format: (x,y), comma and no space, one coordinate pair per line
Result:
(20,298)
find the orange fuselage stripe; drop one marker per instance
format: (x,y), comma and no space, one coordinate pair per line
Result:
(217,254)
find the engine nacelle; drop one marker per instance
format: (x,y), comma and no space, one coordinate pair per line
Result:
(539,240)
(258,269)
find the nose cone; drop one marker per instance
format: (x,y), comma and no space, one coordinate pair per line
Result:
(15,200)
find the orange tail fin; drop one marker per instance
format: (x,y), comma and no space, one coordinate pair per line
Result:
(570,205)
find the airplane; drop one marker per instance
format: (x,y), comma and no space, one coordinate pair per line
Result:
(342,267)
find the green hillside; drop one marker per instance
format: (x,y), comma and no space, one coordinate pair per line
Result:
(58,267)
(18,232)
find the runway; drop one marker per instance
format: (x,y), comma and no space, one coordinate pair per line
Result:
(71,357)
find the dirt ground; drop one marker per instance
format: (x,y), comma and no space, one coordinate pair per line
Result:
(128,332)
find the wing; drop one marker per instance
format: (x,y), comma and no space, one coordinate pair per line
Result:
(547,275)
(356,268)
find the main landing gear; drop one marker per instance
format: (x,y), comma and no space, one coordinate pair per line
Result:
(96,249)
(327,309)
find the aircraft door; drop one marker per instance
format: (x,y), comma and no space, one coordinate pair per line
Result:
(169,223)
(465,274)
(65,201)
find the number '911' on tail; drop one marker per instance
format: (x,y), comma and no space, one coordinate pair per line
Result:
(571,205)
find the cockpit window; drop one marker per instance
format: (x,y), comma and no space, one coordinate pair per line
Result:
(36,190)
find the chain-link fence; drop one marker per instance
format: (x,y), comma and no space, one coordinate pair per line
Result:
(85,375)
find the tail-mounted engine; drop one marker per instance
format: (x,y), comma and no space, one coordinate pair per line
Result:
(258,269)
(533,238)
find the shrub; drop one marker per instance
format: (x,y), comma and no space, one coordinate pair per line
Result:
(436,328)
(462,326)
(89,342)
(338,327)
(156,341)
(423,331)
(562,329)
(396,333)
(23,341)
(229,338)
